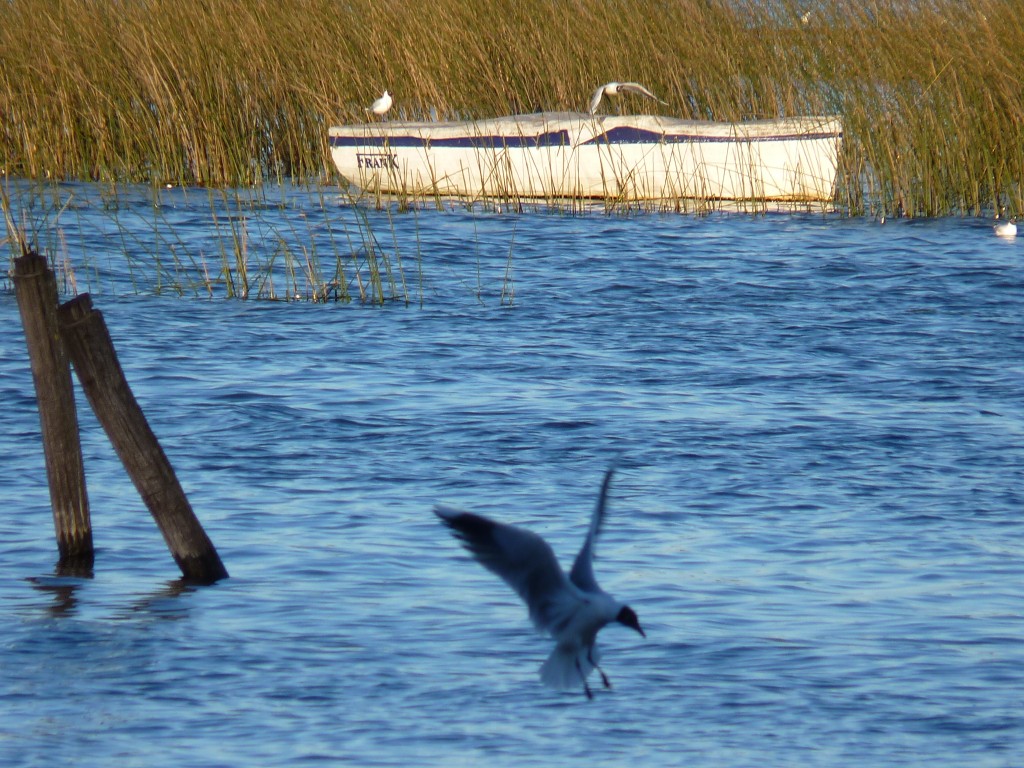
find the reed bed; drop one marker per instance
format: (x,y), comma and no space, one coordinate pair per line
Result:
(234,243)
(241,92)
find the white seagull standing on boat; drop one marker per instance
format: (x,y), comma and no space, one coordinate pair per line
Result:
(614,89)
(381,105)
(571,608)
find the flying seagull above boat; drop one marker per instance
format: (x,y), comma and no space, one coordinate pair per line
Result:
(571,607)
(615,89)
(381,105)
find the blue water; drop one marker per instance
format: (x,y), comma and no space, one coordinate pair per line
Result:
(819,424)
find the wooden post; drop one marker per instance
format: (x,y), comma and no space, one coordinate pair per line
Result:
(36,289)
(92,353)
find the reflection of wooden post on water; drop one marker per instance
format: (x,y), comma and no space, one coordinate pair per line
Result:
(92,353)
(36,289)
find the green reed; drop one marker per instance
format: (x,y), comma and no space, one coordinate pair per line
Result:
(254,249)
(240,92)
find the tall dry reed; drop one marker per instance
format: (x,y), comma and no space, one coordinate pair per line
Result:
(236,92)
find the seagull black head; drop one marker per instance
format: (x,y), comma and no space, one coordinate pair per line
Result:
(627,616)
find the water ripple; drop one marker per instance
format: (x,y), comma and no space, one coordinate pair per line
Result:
(818,425)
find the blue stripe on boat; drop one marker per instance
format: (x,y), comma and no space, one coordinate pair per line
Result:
(620,135)
(627,135)
(552,139)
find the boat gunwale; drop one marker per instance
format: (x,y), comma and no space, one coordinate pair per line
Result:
(546,129)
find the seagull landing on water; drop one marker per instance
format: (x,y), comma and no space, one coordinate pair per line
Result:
(614,89)
(571,607)
(381,105)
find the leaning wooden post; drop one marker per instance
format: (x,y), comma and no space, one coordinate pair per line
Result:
(92,353)
(36,289)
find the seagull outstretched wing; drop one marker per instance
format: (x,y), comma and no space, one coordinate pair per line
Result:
(521,558)
(637,88)
(582,573)
(595,99)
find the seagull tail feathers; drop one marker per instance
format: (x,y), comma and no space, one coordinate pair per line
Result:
(567,668)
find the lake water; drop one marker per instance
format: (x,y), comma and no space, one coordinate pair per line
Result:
(819,428)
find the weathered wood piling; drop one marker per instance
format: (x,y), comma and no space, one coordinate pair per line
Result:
(92,353)
(36,289)
(77,333)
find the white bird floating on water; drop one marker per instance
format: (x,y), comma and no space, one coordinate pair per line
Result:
(571,608)
(381,105)
(614,89)
(1006,229)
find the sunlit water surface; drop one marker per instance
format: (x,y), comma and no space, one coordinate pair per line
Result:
(819,425)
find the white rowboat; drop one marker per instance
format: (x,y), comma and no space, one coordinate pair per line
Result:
(574,155)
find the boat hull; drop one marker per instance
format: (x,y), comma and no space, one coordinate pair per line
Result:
(571,155)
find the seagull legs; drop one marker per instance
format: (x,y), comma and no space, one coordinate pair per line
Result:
(604,677)
(583,678)
(586,688)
